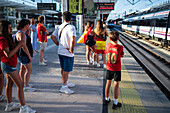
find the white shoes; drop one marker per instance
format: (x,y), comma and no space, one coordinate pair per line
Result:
(11,106)
(104,65)
(98,65)
(26,109)
(65,89)
(70,84)
(42,64)
(45,60)
(94,63)
(91,60)
(29,89)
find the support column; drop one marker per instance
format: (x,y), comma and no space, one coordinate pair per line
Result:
(64,6)
(7,13)
(26,16)
(44,18)
(80,24)
(19,15)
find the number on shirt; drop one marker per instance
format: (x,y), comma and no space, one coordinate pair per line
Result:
(112,58)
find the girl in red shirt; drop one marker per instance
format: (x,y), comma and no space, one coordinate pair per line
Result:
(8,65)
(90,46)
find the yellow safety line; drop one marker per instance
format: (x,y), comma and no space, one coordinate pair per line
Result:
(128,96)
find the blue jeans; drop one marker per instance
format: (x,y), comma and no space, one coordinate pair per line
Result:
(66,63)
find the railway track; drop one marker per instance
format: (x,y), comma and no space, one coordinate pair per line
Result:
(156,66)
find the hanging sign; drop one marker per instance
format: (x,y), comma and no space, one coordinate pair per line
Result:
(75,6)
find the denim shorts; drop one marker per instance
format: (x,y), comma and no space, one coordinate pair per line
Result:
(24,60)
(66,63)
(6,68)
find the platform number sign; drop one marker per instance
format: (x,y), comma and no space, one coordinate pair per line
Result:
(75,6)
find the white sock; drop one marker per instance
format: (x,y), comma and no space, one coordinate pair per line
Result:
(107,98)
(115,101)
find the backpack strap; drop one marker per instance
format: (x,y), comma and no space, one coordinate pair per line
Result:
(62,31)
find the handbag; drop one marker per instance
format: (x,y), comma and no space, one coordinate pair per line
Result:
(90,41)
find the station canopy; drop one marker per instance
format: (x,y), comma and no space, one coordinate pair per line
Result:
(25,6)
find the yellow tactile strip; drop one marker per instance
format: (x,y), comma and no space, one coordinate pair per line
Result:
(128,96)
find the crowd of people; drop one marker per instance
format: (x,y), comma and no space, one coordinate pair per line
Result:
(21,46)
(95,41)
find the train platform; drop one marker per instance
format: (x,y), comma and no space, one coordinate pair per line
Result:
(138,93)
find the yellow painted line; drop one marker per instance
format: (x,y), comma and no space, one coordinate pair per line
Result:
(128,96)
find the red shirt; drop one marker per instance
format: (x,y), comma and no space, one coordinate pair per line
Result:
(41,33)
(9,61)
(114,53)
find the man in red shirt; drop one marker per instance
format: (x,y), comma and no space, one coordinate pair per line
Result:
(42,36)
(114,53)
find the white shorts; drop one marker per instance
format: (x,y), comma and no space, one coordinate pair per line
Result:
(43,45)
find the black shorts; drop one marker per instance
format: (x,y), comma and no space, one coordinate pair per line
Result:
(116,75)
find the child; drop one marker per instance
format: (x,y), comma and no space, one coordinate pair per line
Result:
(114,53)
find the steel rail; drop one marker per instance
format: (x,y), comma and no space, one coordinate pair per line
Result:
(128,42)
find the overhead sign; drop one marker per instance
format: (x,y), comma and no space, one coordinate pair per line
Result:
(104,6)
(46,6)
(75,6)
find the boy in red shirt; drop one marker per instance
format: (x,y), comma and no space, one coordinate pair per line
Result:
(114,53)
(42,36)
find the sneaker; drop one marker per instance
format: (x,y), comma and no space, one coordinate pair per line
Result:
(94,63)
(28,89)
(45,61)
(98,65)
(117,106)
(42,64)
(70,84)
(104,65)
(30,85)
(65,89)
(11,106)
(26,109)
(91,60)
(107,101)
(2,98)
